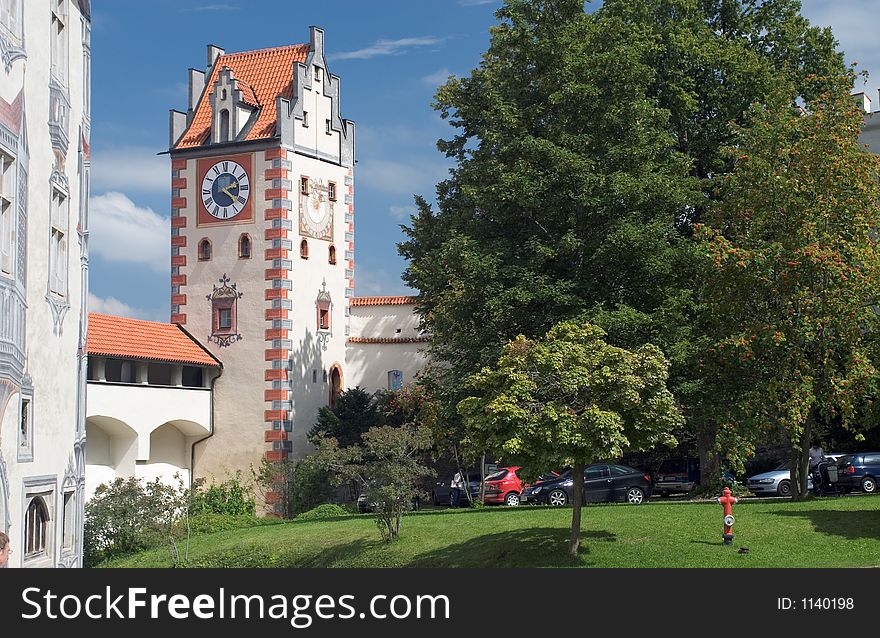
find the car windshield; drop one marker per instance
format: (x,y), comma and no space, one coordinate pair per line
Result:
(782,466)
(497,476)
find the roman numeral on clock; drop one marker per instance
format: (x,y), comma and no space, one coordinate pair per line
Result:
(225,166)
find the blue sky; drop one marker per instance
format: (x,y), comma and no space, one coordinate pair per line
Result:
(391,56)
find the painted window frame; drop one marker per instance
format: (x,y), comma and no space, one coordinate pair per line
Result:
(202,255)
(245,239)
(59,242)
(44,488)
(25,437)
(8,215)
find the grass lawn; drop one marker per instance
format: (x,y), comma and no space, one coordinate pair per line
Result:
(829,532)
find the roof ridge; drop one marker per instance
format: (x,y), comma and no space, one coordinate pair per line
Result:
(264,50)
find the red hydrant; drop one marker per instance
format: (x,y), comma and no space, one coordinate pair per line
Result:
(727,502)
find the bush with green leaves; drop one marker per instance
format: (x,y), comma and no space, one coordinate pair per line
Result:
(129,515)
(323,512)
(232,497)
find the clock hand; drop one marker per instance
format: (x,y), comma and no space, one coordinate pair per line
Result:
(226,190)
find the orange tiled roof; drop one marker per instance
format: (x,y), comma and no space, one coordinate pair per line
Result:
(263,75)
(122,337)
(382,301)
(388,340)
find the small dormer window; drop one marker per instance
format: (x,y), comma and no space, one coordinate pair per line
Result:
(332,254)
(317,74)
(327,127)
(304,249)
(223,94)
(305,119)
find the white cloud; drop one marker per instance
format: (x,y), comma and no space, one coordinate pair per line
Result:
(112,306)
(402,213)
(215,7)
(371,283)
(401,178)
(130,168)
(388,47)
(438,77)
(123,232)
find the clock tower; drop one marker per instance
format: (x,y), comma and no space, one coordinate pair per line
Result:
(262,244)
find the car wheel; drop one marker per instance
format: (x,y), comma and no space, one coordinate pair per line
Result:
(869,485)
(784,488)
(635,495)
(557,497)
(512,499)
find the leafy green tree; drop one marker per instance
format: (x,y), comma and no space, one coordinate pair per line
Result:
(793,271)
(387,463)
(585,149)
(570,399)
(354,412)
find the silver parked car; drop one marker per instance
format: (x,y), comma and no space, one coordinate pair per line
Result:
(777,482)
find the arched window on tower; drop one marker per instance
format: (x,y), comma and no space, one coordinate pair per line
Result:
(205,250)
(304,249)
(332,254)
(244,246)
(224,125)
(335,384)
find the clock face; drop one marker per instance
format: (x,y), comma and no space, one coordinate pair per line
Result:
(316,212)
(225,189)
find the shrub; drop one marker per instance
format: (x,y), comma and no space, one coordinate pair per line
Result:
(128,516)
(211,523)
(232,497)
(327,510)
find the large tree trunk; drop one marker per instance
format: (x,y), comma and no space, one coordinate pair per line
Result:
(710,463)
(577,500)
(800,461)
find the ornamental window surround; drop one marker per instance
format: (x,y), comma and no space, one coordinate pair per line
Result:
(205,250)
(36,528)
(11,18)
(58,243)
(7,215)
(244,246)
(58,40)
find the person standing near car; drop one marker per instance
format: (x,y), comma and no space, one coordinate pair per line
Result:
(455,489)
(816,455)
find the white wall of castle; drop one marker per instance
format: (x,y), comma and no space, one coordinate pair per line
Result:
(45,465)
(143,431)
(370,363)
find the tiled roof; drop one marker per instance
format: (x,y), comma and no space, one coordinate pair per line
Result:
(263,75)
(424,339)
(10,113)
(113,336)
(382,301)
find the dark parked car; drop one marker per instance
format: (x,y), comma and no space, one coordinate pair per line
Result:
(442,490)
(859,471)
(602,482)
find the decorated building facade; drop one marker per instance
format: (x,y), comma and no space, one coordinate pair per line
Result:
(44,185)
(263,250)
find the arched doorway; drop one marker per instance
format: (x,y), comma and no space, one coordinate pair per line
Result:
(335,384)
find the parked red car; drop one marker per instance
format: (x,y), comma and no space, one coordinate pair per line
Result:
(504,486)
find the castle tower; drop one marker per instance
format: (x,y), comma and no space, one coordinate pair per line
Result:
(262,244)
